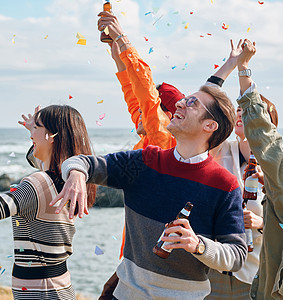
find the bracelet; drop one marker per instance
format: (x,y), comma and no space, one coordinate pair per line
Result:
(246,72)
(124,45)
(119,36)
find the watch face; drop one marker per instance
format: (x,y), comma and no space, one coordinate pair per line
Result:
(201,248)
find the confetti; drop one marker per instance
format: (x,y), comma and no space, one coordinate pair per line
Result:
(150,50)
(133,130)
(81,39)
(29,263)
(259,2)
(12,154)
(186,65)
(101,117)
(248,29)
(186,26)
(17,223)
(106,30)
(123,13)
(25,60)
(98,251)
(46,37)
(21,249)
(24,288)
(13,39)
(3,271)
(9,256)
(201,35)
(98,123)
(146,39)
(209,34)
(211,1)
(169,24)
(114,237)
(13,187)
(109,51)
(99,102)
(191,12)
(147,13)
(225,27)
(281,225)
(216,66)
(70,97)
(173,67)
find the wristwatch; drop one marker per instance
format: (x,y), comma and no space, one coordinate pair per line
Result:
(200,247)
(246,72)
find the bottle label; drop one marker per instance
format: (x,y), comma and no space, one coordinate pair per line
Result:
(185,212)
(249,235)
(166,243)
(251,184)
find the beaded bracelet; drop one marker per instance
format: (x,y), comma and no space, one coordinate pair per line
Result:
(119,36)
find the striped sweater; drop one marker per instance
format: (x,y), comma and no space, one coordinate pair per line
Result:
(41,238)
(156,187)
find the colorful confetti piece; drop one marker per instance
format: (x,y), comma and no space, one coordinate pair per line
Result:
(173,67)
(25,61)
(146,39)
(3,271)
(259,2)
(29,263)
(81,39)
(216,66)
(98,251)
(106,30)
(70,97)
(114,237)
(150,50)
(281,225)
(9,256)
(186,26)
(24,288)
(13,39)
(224,59)
(147,13)
(109,51)
(248,29)
(133,130)
(99,102)
(201,35)
(123,13)
(191,12)
(157,20)
(21,249)
(17,223)
(12,154)
(224,26)
(209,34)
(46,37)
(101,117)
(98,123)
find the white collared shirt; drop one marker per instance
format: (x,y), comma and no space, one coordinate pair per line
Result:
(192,160)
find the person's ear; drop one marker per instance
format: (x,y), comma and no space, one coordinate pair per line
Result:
(210,126)
(169,114)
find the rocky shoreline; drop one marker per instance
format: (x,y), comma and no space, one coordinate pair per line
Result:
(105,196)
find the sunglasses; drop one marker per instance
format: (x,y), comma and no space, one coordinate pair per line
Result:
(191,101)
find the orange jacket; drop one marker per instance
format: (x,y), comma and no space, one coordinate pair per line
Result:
(140,92)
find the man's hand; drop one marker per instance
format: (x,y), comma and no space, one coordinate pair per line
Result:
(252,220)
(188,240)
(28,121)
(248,52)
(74,190)
(109,20)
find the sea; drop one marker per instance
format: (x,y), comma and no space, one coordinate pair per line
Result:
(96,245)
(98,236)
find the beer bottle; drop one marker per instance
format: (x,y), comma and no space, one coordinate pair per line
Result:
(249,232)
(250,193)
(103,36)
(159,249)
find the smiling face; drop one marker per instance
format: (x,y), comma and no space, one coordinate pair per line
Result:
(188,120)
(42,143)
(239,126)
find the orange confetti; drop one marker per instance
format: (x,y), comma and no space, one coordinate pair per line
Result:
(146,39)
(249,29)
(70,97)
(99,102)
(225,27)
(186,26)
(259,2)
(216,66)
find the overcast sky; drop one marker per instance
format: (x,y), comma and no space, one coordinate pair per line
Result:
(42,64)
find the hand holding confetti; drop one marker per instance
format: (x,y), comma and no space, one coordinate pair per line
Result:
(28,122)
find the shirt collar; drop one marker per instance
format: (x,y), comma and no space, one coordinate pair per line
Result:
(192,160)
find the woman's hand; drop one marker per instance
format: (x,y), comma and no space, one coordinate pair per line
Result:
(28,122)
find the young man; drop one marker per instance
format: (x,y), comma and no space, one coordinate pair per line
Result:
(157,184)
(266,144)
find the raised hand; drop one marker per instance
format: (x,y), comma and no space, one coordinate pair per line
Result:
(28,121)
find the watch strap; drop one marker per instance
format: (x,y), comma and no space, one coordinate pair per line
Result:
(246,72)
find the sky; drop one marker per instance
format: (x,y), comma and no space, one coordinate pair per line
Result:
(41,62)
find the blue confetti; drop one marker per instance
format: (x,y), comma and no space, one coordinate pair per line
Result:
(186,65)
(10,256)
(150,50)
(224,59)
(3,271)
(174,67)
(281,225)
(98,251)
(147,13)
(114,237)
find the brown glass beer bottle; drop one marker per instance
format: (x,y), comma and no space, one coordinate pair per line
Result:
(103,36)
(159,249)
(250,193)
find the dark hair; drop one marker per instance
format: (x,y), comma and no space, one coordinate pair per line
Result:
(224,113)
(271,109)
(70,138)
